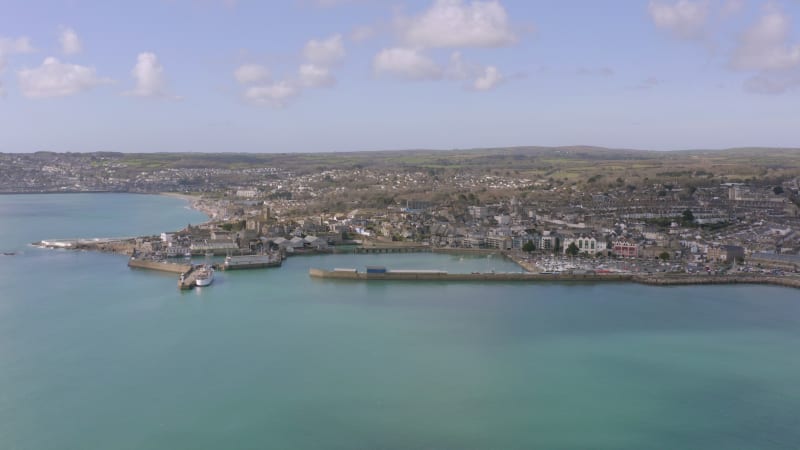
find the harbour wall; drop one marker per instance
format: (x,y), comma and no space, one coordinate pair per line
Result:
(676,280)
(158,265)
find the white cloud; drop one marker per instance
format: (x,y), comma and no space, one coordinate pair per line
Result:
(56,79)
(454,23)
(406,63)
(362,33)
(149,75)
(275,94)
(731,7)
(685,19)
(315,76)
(765,45)
(490,78)
(70,43)
(10,46)
(251,73)
(325,52)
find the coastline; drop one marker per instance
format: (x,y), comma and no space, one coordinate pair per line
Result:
(194,203)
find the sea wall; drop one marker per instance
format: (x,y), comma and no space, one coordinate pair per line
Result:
(674,280)
(158,265)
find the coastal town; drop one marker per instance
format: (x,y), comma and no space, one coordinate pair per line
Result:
(679,221)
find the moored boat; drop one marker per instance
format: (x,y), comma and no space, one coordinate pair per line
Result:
(205,276)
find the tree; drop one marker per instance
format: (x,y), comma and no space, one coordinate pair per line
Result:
(688,216)
(572,250)
(664,256)
(529,246)
(778,190)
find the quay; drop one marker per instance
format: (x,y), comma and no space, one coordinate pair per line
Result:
(393,249)
(370,249)
(381,274)
(188,279)
(163,266)
(437,275)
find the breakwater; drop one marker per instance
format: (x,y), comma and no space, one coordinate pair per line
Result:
(666,280)
(158,265)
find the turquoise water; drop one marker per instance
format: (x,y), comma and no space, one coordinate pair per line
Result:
(94,355)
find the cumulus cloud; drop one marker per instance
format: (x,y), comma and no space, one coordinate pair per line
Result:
(275,94)
(731,7)
(56,79)
(251,73)
(685,19)
(362,33)
(406,63)
(325,52)
(456,24)
(10,46)
(70,43)
(311,75)
(490,78)
(765,45)
(319,57)
(149,76)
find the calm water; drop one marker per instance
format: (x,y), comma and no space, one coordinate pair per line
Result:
(94,355)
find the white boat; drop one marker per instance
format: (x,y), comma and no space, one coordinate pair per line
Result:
(205,276)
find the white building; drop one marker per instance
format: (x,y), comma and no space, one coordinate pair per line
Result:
(585,244)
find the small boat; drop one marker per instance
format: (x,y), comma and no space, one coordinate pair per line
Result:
(205,276)
(9,254)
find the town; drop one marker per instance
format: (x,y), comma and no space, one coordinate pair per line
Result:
(553,210)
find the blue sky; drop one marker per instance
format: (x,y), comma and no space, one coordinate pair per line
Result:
(349,75)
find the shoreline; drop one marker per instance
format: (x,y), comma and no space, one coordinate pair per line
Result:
(194,203)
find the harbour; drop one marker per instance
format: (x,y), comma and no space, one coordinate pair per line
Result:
(629,363)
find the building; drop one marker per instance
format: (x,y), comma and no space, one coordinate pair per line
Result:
(478,212)
(625,248)
(725,253)
(499,242)
(548,241)
(586,244)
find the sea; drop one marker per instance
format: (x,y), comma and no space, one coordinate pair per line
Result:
(94,355)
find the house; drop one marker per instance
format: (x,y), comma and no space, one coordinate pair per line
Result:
(297,242)
(549,240)
(316,243)
(585,243)
(625,248)
(725,253)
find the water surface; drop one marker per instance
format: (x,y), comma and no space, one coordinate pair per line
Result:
(94,355)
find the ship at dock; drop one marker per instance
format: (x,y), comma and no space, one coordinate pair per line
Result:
(252,261)
(205,276)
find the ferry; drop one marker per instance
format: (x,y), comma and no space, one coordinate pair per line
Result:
(205,276)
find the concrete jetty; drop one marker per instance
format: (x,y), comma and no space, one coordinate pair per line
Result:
(654,280)
(163,266)
(435,275)
(188,279)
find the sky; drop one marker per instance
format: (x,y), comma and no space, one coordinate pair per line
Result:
(352,75)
